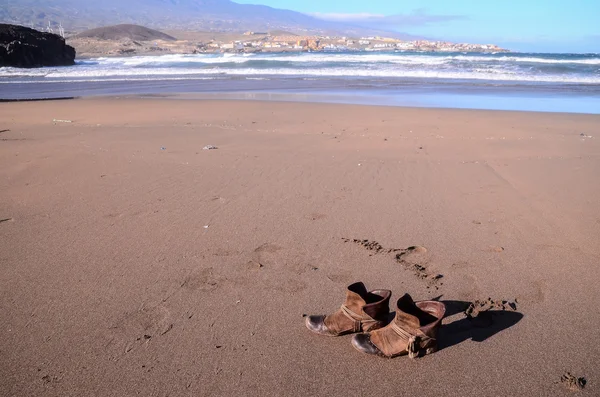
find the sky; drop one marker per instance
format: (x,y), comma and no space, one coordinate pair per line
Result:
(520,25)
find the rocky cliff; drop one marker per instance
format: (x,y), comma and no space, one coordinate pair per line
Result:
(28,48)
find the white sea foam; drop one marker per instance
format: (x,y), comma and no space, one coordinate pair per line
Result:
(154,74)
(399,58)
(114,79)
(294,58)
(514,59)
(500,67)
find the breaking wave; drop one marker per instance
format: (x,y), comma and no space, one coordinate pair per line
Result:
(536,68)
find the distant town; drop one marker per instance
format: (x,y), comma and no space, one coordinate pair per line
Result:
(264,42)
(122,40)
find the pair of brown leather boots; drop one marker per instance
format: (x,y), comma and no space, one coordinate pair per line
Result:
(413,330)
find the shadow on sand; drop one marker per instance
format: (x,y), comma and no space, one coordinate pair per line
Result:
(478,329)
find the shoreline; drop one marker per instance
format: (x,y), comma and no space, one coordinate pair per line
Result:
(409,97)
(276,98)
(261,99)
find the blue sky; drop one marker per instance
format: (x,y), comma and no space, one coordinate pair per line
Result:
(521,25)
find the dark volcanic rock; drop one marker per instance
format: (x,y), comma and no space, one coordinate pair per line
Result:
(28,48)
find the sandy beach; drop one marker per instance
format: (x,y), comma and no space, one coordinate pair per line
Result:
(133,262)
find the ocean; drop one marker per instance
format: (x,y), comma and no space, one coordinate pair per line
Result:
(512,81)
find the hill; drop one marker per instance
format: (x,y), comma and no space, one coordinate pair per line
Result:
(125,31)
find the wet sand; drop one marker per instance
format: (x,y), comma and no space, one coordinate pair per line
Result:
(132,262)
(416,93)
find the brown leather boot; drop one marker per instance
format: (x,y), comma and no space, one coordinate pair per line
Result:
(413,331)
(362,311)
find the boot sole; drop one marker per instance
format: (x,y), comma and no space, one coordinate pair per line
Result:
(420,353)
(326,333)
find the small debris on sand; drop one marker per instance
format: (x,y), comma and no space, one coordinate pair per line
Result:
(254,265)
(61,121)
(572,382)
(166,329)
(477,307)
(209,147)
(480,313)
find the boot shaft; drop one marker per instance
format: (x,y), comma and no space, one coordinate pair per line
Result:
(424,317)
(413,330)
(362,310)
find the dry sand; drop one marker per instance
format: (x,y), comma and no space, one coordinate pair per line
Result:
(126,269)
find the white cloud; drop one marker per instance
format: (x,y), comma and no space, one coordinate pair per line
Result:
(418,17)
(345,17)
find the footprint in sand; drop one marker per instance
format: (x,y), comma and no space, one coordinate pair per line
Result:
(415,258)
(264,255)
(472,287)
(301,268)
(537,292)
(370,245)
(205,280)
(139,327)
(225,252)
(461,265)
(340,278)
(290,286)
(417,250)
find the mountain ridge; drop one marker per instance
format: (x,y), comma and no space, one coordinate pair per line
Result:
(205,15)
